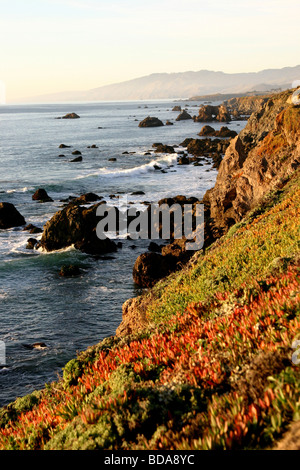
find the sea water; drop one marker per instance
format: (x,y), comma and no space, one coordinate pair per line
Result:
(36,304)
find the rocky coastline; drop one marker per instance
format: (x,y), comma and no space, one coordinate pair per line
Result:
(243,179)
(255,168)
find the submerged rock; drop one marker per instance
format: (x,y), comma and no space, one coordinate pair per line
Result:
(138,193)
(10,216)
(35,346)
(70,116)
(32,229)
(70,271)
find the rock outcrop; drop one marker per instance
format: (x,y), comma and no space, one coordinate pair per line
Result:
(9,216)
(213,148)
(223,132)
(31,243)
(210,113)
(87,198)
(133,317)
(75,225)
(245,105)
(41,195)
(151,122)
(207,131)
(183,116)
(152,266)
(149,268)
(162,148)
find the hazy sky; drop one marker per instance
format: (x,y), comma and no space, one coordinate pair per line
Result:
(58,45)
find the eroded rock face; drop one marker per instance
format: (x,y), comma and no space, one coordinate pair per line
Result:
(245,105)
(9,216)
(133,317)
(264,153)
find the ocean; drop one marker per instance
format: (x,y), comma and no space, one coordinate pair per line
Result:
(36,304)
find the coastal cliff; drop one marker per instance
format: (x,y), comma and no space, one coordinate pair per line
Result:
(257,160)
(205,359)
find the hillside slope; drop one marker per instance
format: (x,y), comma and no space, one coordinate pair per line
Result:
(211,366)
(181,85)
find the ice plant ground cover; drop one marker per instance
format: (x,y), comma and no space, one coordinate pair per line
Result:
(214,369)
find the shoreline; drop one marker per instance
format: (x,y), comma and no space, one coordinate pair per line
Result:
(209,334)
(67,249)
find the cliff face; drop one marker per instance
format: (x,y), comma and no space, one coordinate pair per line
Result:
(246,104)
(262,156)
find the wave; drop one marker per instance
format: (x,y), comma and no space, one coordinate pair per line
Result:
(61,250)
(137,170)
(21,190)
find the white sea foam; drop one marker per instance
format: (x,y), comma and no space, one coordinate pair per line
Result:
(21,190)
(62,250)
(135,171)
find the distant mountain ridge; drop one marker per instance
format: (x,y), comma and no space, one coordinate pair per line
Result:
(182,85)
